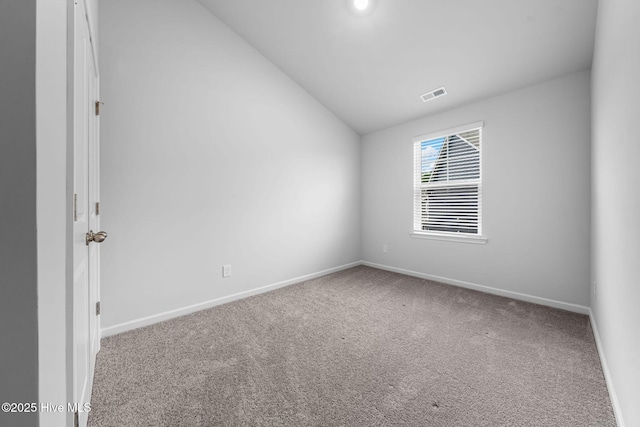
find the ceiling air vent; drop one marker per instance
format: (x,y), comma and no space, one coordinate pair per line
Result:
(436,93)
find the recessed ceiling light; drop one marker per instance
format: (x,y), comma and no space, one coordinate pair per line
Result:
(361,7)
(361,4)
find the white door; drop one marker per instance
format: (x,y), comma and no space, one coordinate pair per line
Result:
(86,186)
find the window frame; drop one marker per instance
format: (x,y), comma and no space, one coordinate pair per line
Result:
(418,186)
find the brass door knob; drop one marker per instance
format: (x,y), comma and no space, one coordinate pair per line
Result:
(98,237)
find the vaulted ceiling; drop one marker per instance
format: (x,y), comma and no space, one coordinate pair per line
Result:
(371,70)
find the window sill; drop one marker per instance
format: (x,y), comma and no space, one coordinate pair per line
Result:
(477,240)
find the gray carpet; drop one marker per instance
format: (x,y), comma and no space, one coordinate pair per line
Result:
(362,347)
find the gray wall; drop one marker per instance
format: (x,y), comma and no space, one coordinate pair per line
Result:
(18,258)
(616,198)
(535,195)
(211,156)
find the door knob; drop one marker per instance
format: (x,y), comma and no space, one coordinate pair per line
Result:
(98,237)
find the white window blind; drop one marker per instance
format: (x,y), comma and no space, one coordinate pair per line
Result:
(448,182)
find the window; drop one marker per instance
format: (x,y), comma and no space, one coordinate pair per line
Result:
(448,184)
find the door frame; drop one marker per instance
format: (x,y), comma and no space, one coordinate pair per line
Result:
(54,202)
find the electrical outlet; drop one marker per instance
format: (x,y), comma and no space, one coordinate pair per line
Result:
(226,270)
(385,249)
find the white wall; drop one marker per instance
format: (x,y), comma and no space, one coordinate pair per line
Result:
(535,195)
(616,198)
(211,156)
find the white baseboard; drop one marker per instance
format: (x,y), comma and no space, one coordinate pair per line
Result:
(486,289)
(607,374)
(156,318)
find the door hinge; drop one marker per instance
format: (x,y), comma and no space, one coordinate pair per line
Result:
(98,104)
(98,308)
(97,208)
(75,206)
(76,419)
